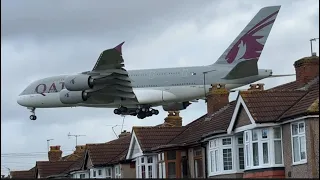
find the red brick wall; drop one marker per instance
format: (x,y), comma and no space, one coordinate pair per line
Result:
(268,173)
(306,69)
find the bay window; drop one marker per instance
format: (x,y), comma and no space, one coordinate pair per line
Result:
(146,167)
(259,143)
(298,140)
(226,155)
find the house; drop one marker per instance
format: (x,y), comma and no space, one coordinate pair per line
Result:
(28,174)
(58,166)
(272,133)
(143,139)
(106,160)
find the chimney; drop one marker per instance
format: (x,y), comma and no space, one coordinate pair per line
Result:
(124,133)
(54,154)
(217,98)
(307,68)
(256,87)
(80,149)
(173,119)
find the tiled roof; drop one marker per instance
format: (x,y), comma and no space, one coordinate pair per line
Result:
(23,174)
(218,121)
(104,153)
(47,168)
(287,86)
(268,106)
(302,106)
(150,137)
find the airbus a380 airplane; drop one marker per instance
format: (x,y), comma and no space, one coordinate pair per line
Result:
(135,92)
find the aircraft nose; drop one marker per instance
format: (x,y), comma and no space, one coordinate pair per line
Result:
(20,100)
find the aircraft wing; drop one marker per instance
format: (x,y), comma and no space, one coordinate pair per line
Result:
(111,78)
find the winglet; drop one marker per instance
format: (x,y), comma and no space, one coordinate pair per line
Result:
(119,47)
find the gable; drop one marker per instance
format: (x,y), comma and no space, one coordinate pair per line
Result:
(242,118)
(241,113)
(134,148)
(87,162)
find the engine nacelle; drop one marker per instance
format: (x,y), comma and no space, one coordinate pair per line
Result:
(176,106)
(78,82)
(72,97)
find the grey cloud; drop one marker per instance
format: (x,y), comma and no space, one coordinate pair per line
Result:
(42,39)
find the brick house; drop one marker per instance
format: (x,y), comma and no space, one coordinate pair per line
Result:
(106,160)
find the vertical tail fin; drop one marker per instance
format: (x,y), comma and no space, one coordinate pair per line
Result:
(250,42)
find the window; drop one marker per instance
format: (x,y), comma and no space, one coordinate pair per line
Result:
(171,169)
(161,166)
(277,145)
(99,172)
(117,172)
(171,155)
(145,167)
(240,152)
(222,152)
(108,173)
(263,148)
(198,168)
(94,173)
(82,176)
(298,142)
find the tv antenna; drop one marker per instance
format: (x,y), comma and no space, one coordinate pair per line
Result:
(311,40)
(48,143)
(76,136)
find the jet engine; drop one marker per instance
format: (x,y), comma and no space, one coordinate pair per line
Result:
(78,82)
(176,106)
(72,97)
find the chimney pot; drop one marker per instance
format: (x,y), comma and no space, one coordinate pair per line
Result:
(173,119)
(54,154)
(217,98)
(256,87)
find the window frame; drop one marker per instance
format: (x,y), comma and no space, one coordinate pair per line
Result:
(108,169)
(270,140)
(217,164)
(145,163)
(298,135)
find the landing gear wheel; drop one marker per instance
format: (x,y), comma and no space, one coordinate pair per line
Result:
(154,111)
(117,111)
(148,113)
(123,109)
(141,115)
(33,117)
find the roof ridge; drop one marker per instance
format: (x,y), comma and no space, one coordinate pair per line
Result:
(280,116)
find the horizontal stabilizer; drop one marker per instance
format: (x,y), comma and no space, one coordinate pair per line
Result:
(243,69)
(281,75)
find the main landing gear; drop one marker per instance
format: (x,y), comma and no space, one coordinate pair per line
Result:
(33,115)
(141,113)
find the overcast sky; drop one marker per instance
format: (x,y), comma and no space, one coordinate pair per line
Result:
(46,38)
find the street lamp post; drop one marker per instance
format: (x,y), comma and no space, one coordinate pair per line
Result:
(204,82)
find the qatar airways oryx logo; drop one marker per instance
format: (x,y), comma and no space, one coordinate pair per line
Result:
(248,47)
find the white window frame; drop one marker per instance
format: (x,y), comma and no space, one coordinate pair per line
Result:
(270,144)
(117,172)
(108,169)
(161,166)
(215,146)
(273,145)
(139,164)
(299,135)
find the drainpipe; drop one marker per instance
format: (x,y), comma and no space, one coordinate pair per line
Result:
(205,160)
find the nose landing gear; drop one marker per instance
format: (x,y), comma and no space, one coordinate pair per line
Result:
(33,115)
